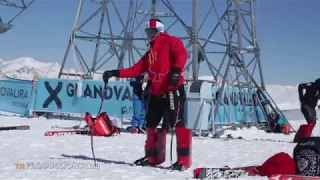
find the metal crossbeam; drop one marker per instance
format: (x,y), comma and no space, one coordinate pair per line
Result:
(19,5)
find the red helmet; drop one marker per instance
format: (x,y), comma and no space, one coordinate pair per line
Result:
(155,24)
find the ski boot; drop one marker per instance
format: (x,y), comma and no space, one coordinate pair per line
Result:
(141,130)
(184,141)
(155,148)
(178,167)
(143,162)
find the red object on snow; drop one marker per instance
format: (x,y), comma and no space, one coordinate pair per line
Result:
(66,132)
(280,163)
(304,130)
(101,125)
(252,170)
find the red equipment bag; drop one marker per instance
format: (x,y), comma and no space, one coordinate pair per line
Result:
(304,130)
(101,125)
(280,163)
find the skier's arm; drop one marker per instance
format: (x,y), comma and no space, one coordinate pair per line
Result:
(179,54)
(134,82)
(135,70)
(300,90)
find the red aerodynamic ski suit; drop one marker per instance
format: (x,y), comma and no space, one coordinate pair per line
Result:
(166,52)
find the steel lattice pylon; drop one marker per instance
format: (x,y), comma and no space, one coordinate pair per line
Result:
(223,42)
(20,5)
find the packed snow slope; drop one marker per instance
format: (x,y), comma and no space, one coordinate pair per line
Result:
(114,155)
(25,67)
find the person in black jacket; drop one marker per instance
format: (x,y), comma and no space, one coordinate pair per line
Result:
(307,156)
(309,99)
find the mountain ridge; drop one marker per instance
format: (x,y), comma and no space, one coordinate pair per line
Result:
(24,68)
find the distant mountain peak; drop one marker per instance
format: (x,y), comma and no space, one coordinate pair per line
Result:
(24,68)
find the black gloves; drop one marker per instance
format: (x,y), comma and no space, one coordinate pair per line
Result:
(108,74)
(175,76)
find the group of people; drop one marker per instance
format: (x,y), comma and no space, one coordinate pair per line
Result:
(159,92)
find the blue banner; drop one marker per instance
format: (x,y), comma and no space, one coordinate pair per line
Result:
(60,95)
(15,96)
(236,106)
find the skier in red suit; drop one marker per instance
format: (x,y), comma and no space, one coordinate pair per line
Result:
(164,62)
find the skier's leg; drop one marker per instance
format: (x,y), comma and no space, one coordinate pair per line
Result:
(183,135)
(306,130)
(184,146)
(309,114)
(165,121)
(161,145)
(153,117)
(136,114)
(141,122)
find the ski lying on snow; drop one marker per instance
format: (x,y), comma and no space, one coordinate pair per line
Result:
(155,167)
(66,132)
(216,173)
(77,127)
(230,137)
(226,172)
(292,177)
(6,128)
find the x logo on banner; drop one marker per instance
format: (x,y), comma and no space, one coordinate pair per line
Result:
(53,95)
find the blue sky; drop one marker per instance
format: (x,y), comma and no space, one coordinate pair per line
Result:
(288,31)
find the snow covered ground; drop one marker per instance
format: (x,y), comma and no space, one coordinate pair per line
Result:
(114,154)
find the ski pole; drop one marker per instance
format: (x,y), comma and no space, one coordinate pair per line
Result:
(102,101)
(176,121)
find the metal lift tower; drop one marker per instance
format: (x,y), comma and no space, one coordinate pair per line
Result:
(220,38)
(19,5)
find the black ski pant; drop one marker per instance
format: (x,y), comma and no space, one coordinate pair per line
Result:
(165,121)
(309,113)
(166,105)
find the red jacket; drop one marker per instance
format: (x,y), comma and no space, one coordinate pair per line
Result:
(166,52)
